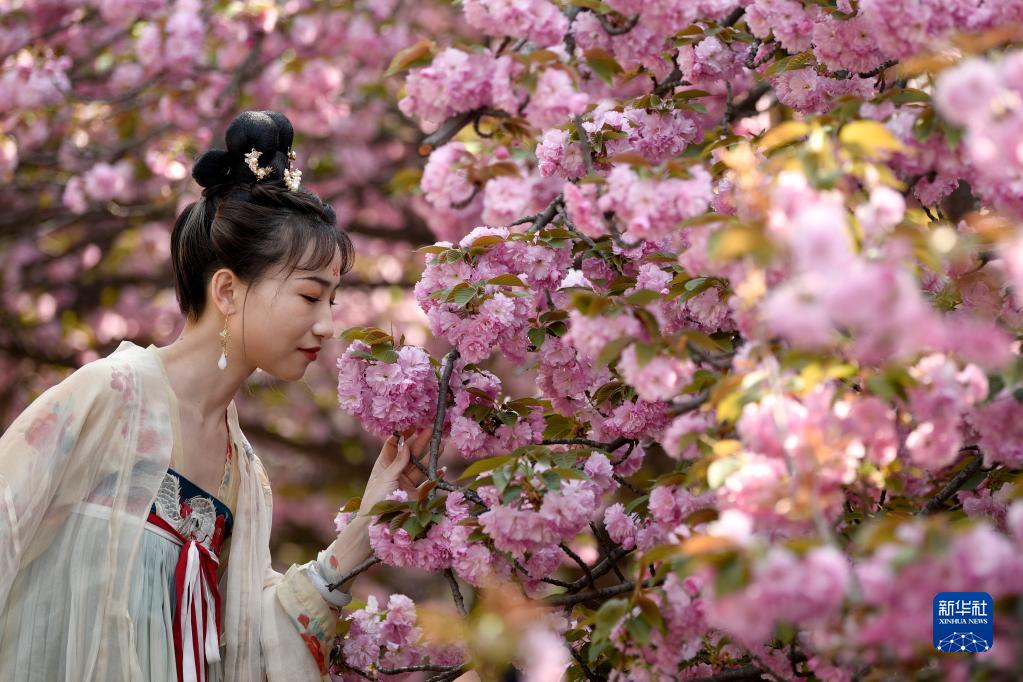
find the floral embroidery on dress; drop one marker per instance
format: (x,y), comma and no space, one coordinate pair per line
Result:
(196,516)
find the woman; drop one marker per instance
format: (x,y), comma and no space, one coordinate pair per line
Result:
(134,515)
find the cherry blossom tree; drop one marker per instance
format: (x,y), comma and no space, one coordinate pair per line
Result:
(103,109)
(762,259)
(756,262)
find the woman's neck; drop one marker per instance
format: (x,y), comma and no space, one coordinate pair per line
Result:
(191,364)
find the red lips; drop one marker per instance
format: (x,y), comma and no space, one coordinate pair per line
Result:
(310,352)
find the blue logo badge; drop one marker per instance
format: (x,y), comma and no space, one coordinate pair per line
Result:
(963,622)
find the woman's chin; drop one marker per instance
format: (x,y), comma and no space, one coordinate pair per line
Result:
(287,371)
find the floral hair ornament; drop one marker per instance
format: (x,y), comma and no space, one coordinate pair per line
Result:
(252,159)
(292,177)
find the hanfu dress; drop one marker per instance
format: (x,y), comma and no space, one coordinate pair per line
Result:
(115,567)
(175,601)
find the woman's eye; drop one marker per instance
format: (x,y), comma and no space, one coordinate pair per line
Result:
(313,299)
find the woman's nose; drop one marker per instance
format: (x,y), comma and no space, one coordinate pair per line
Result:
(324,326)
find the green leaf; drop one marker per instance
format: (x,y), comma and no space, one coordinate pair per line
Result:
(907,95)
(870,136)
(645,352)
(690,94)
(483,465)
(479,393)
(783,134)
(611,350)
(608,615)
(387,506)
(731,576)
(419,54)
(500,480)
(510,493)
(558,426)
(660,553)
(782,65)
(508,280)
(507,417)
(413,527)
(720,469)
(604,393)
(552,315)
(636,504)
(573,474)
(638,629)
(451,256)
(385,354)
(651,613)
(589,304)
(603,64)
(478,412)
(353,334)
(537,336)
(953,134)
(461,297)
(643,296)
(595,5)
(487,240)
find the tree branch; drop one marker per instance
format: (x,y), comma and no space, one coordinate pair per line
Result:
(622,481)
(973,466)
(603,567)
(419,668)
(449,128)
(596,445)
(450,675)
(735,15)
(685,406)
(722,361)
(582,564)
(361,568)
(611,29)
(670,81)
(750,672)
(544,217)
(584,142)
(456,593)
(573,599)
(442,406)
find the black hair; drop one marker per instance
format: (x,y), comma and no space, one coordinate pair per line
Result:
(250,225)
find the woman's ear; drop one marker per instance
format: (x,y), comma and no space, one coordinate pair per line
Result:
(225,290)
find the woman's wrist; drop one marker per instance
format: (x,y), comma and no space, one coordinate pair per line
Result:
(351,547)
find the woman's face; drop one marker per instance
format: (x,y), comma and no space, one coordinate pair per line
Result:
(287,318)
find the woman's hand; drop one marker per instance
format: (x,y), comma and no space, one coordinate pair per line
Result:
(394,468)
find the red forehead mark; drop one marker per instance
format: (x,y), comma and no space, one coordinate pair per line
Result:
(337,270)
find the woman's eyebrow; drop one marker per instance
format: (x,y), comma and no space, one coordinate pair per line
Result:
(321,281)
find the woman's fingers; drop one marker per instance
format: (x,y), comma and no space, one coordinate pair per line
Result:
(401,457)
(420,442)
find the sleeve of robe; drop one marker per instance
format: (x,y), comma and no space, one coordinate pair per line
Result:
(297,625)
(100,436)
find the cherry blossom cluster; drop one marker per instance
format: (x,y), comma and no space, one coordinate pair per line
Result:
(387,396)
(493,315)
(388,637)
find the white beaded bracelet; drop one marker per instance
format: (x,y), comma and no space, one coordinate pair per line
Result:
(336,597)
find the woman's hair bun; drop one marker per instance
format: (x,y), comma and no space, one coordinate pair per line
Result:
(212,168)
(269,132)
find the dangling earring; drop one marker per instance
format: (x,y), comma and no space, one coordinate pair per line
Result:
(224,336)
